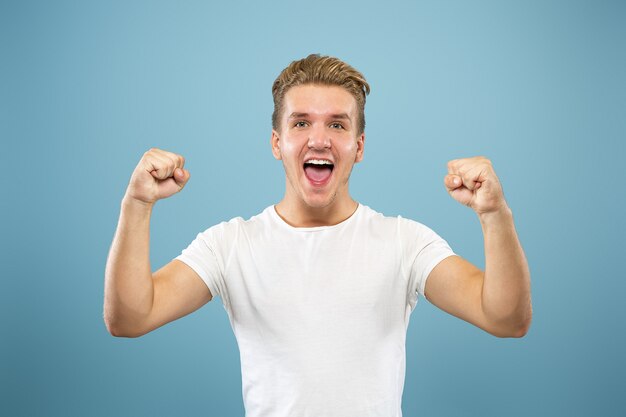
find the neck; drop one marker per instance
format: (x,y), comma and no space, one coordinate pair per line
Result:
(298,214)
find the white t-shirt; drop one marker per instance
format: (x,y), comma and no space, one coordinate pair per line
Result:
(319,313)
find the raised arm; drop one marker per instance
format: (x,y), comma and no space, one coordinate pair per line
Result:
(497,300)
(135,300)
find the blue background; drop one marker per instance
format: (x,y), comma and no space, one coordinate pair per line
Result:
(87,87)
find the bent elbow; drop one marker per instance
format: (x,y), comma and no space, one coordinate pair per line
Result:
(516,325)
(524,326)
(116,329)
(520,330)
(119,332)
(511,328)
(113,329)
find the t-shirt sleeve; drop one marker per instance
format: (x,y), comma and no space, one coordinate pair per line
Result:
(427,250)
(202,257)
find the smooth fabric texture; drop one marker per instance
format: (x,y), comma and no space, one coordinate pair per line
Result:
(320,314)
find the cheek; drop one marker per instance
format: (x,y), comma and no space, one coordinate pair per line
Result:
(290,150)
(349,149)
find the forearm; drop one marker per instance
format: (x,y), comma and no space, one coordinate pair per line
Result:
(128,291)
(506,296)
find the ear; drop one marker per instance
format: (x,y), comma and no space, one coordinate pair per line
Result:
(275,142)
(360,147)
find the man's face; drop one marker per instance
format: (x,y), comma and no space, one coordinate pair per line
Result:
(318,143)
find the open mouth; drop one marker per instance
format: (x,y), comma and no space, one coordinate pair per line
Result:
(318,171)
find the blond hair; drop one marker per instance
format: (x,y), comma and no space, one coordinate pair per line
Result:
(322,70)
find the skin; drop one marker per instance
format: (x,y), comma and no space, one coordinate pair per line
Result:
(137,301)
(497,300)
(319,122)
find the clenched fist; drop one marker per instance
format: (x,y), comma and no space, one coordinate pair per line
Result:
(473,182)
(158,175)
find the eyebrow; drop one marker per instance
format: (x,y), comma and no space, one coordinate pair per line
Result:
(338,116)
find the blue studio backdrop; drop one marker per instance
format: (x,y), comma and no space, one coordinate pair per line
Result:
(87,87)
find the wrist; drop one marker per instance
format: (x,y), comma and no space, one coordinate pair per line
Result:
(501,216)
(136,206)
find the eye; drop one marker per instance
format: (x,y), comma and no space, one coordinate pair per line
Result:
(336,125)
(300,123)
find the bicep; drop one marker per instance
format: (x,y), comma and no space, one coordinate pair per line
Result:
(455,286)
(178,291)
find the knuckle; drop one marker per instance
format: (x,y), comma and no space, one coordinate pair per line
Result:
(171,158)
(150,151)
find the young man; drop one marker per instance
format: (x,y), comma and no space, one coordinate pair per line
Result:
(318,288)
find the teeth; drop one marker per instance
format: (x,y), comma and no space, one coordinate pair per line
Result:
(318,162)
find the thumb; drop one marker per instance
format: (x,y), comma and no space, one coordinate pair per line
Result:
(452,182)
(181,176)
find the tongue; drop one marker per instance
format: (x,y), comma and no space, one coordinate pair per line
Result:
(318,173)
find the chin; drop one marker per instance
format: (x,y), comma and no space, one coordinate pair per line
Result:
(318,201)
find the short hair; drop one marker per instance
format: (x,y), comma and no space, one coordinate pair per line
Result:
(322,70)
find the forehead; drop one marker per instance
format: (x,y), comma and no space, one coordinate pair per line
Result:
(319,100)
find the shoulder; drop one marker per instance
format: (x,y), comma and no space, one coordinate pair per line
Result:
(229,230)
(399,224)
(411,236)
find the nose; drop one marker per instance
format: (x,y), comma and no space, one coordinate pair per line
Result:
(319,139)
